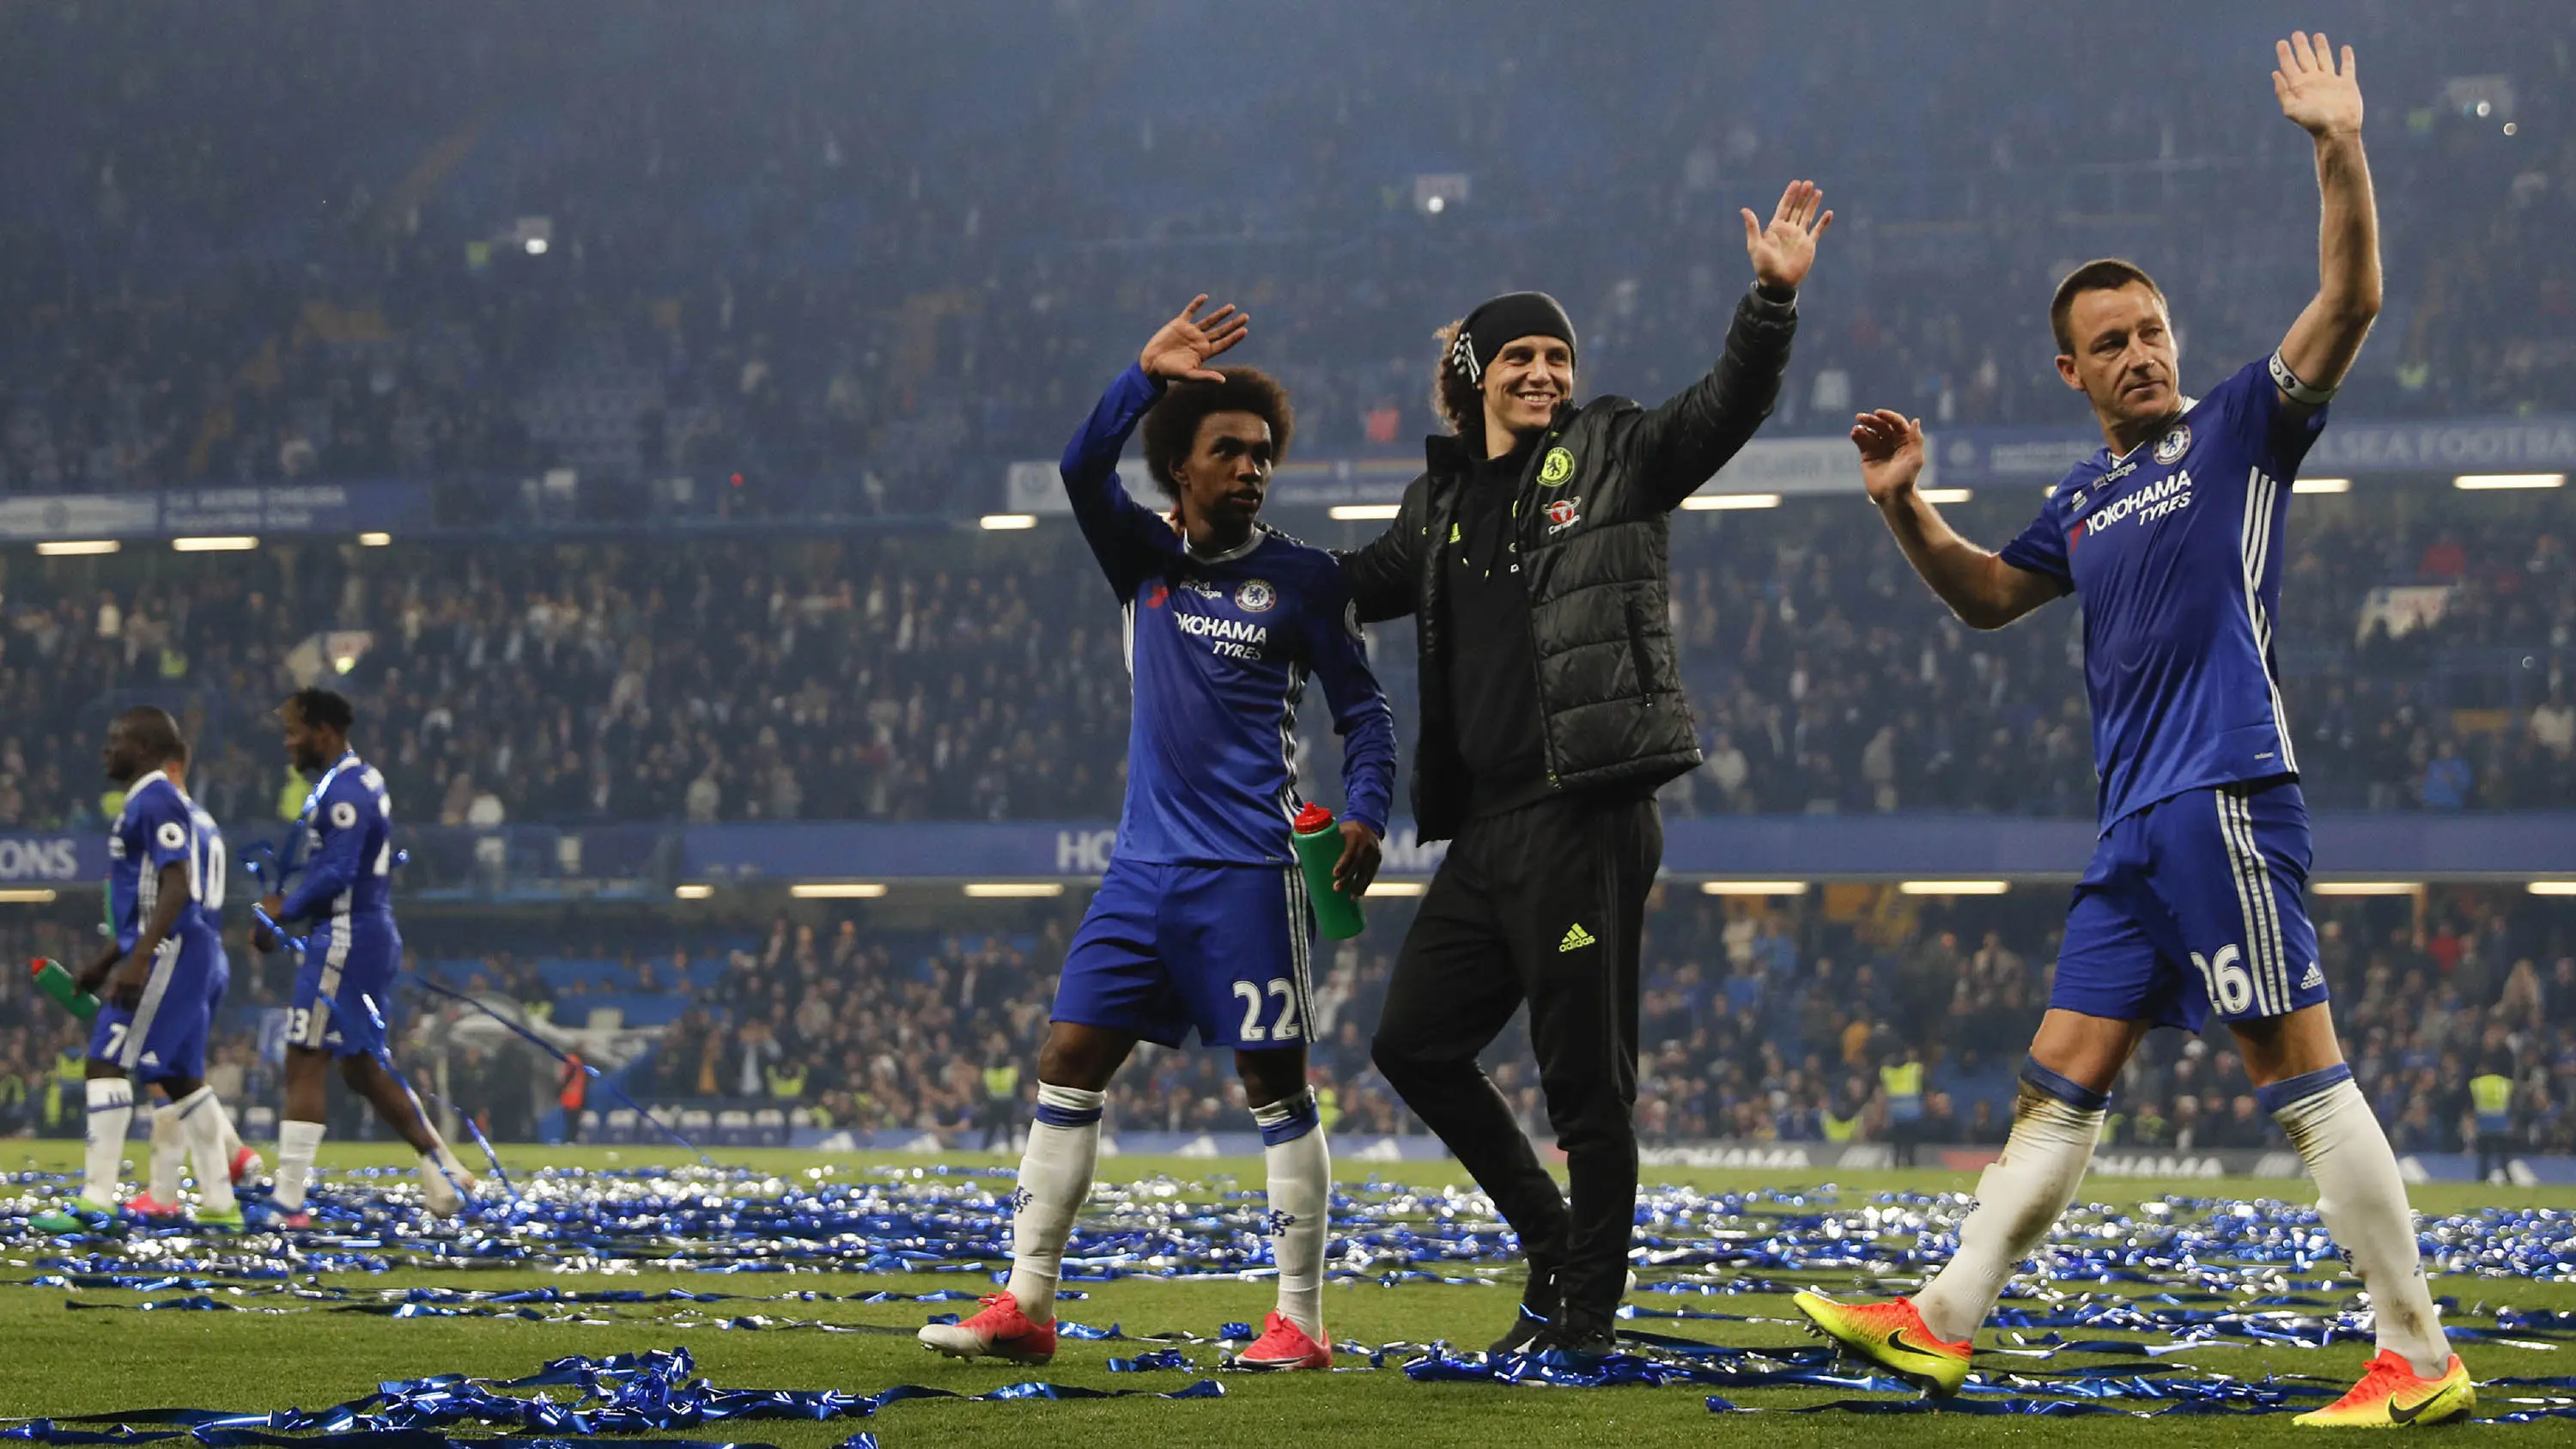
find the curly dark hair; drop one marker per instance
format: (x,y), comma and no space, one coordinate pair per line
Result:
(1171,426)
(1455,398)
(322,707)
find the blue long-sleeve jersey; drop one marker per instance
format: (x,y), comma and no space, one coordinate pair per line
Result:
(1219,649)
(348,853)
(158,827)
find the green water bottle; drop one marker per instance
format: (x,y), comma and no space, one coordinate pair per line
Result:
(1319,849)
(56,982)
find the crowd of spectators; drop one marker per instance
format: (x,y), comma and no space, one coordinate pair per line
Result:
(1761,1020)
(787,245)
(2425,648)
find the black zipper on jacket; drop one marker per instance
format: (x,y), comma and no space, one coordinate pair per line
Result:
(1524,492)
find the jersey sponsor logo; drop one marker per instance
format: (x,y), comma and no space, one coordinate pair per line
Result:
(1255,596)
(171,835)
(2173,445)
(1556,468)
(1227,638)
(1563,514)
(2149,503)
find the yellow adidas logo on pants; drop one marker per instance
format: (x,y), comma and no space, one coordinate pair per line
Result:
(1576,938)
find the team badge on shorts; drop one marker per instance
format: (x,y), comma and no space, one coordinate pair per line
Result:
(2174,444)
(1556,467)
(1255,596)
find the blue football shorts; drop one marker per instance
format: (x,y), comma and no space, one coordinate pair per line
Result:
(2192,905)
(1164,948)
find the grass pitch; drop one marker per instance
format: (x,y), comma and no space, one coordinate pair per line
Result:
(60,1361)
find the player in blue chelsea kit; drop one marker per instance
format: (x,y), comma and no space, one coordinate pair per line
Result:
(157,979)
(2171,536)
(351,954)
(160,1195)
(1202,919)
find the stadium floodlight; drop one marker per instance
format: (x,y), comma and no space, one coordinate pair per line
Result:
(1003,522)
(1954,887)
(2365,887)
(1363,512)
(1397,887)
(59,547)
(1718,502)
(374,540)
(1753,888)
(2553,887)
(218,543)
(837,890)
(1944,495)
(27,896)
(2322,485)
(2481,482)
(694,891)
(987,890)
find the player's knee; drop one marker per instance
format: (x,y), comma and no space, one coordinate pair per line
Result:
(1270,1076)
(1079,1058)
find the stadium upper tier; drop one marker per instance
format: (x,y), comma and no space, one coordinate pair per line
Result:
(435,241)
(2426,638)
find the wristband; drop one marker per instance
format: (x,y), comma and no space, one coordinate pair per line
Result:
(2295,390)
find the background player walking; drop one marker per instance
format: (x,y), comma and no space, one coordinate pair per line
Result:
(1202,917)
(2194,899)
(345,986)
(159,979)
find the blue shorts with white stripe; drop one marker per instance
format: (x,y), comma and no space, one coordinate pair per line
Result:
(1164,948)
(2193,905)
(348,965)
(164,1036)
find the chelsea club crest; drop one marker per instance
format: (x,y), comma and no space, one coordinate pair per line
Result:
(1255,596)
(2174,444)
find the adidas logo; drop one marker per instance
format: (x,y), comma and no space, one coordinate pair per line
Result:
(2315,978)
(1576,938)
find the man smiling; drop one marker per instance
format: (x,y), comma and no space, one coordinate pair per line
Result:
(1532,553)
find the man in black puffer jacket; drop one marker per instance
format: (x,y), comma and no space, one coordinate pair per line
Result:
(1532,554)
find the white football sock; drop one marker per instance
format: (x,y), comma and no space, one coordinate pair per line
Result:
(169,1149)
(232,1139)
(297,1143)
(198,1114)
(111,1111)
(2362,1198)
(2018,1200)
(1055,1176)
(1301,1188)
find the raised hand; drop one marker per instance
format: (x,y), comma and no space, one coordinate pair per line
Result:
(1181,348)
(1783,251)
(2323,100)
(1891,452)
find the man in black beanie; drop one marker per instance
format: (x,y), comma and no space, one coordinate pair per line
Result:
(1531,552)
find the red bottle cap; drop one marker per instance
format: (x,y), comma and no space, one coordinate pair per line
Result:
(1313,818)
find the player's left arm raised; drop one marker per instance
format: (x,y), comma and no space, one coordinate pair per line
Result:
(1679,445)
(2325,99)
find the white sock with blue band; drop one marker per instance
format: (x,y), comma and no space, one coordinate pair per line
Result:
(2055,1124)
(1301,1191)
(111,1111)
(1055,1176)
(2362,1197)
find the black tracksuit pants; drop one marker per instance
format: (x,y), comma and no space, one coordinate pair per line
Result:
(1545,905)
